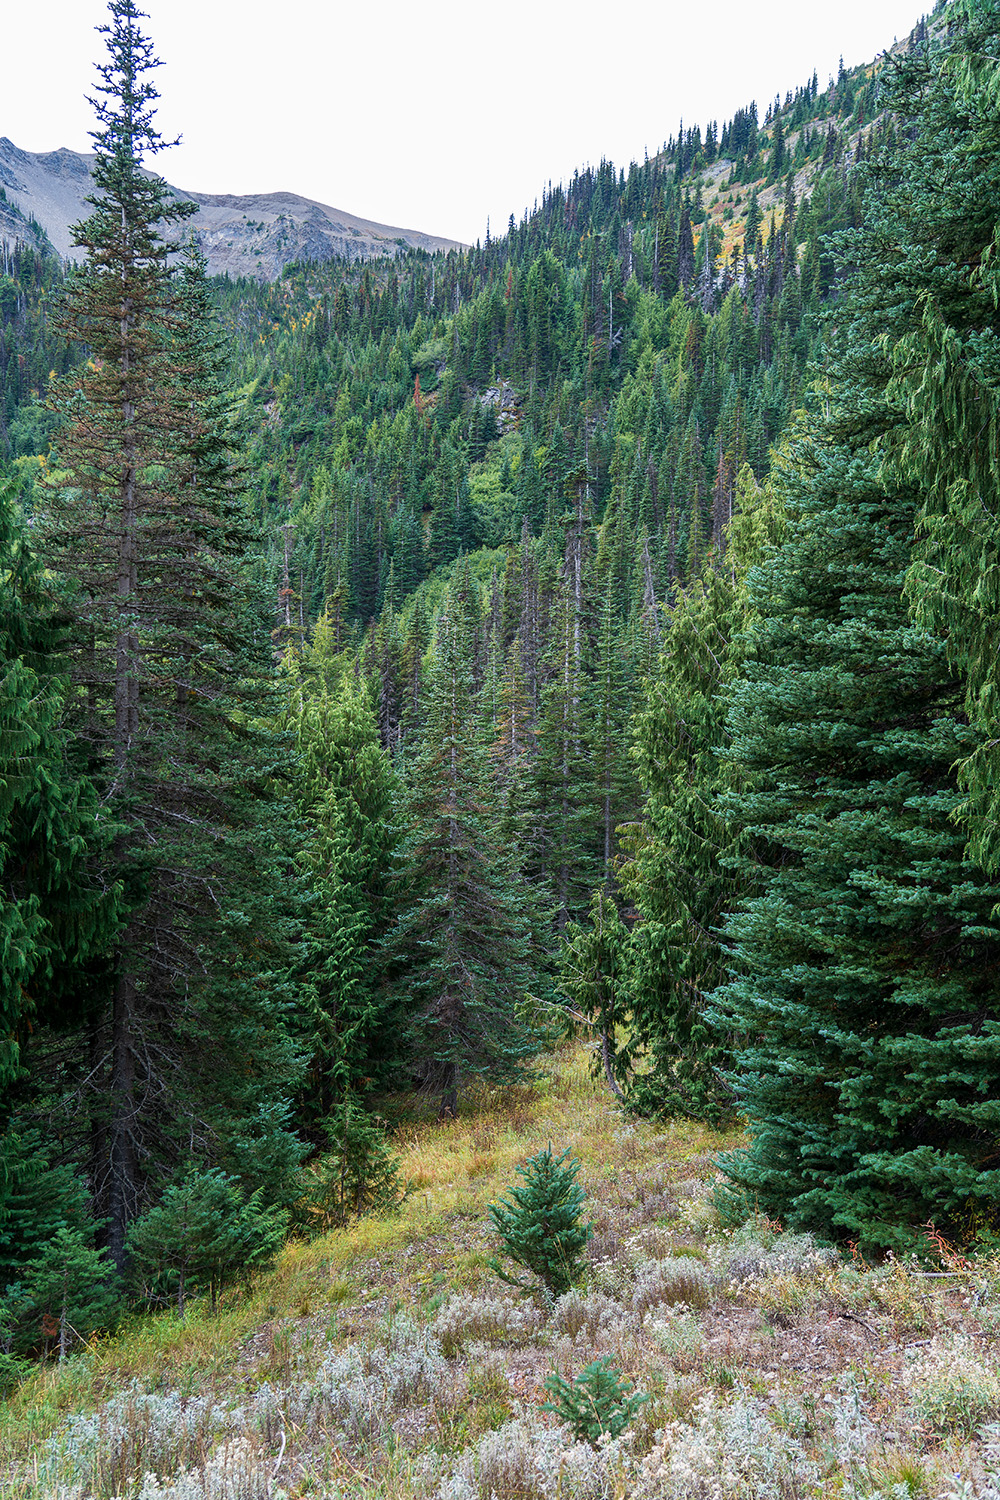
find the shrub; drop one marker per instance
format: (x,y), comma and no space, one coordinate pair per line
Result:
(237,1471)
(466,1319)
(521,1461)
(540,1224)
(575,1314)
(134,1434)
(669,1282)
(951,1389)
(730,1450)
(597,1404)
(990,1490)
(681,1338)
(503,1464)
(363,1389)
(761,1248)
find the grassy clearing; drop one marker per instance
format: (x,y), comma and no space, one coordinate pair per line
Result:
(388,1360)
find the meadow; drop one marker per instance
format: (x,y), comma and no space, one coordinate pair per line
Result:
(389,1359)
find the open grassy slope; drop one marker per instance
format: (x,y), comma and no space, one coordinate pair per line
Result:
(389,1360)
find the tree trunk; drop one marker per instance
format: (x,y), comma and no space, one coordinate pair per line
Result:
(448,1109)
(63,1317)
(609,1072)
(123,1192)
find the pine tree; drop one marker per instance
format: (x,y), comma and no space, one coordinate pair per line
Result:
(564,816)
(597,1405)
(37,1201)
(675,875)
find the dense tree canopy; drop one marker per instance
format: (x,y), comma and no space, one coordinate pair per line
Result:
(431,652)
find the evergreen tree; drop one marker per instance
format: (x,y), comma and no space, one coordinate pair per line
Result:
(938,289)
(460,960)
(540,1223)
(597,1405)
(593,976)
(203,1232)
(72,1288)
(147,528)
(347,789)
(611,695)
(675,874)
(54,917)
(866,987)
(357,1174)
(864,1001)
(677,871)
(37,1201)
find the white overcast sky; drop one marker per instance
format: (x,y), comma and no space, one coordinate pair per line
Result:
(432,117)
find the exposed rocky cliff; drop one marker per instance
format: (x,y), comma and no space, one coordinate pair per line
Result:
(256,235)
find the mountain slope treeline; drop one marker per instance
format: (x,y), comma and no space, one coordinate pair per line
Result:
(473,646)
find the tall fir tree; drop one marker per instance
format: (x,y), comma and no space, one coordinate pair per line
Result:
(674,873)
(57,918)
(147,529)
(677,872)
(461,958)
(863,1008)
(938,283)
(348,794)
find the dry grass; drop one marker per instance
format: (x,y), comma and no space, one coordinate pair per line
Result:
(387,1359)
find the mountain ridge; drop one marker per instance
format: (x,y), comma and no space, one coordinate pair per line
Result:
(253,234)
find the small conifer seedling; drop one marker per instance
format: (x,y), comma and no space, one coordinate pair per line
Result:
(596,1404)
(540,1223)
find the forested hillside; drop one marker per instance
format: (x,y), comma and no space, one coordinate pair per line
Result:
(415,661)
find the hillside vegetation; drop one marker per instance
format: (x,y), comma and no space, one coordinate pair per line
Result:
(387,1358)
(415,666)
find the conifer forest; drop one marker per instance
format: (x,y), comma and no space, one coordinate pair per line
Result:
(415,665)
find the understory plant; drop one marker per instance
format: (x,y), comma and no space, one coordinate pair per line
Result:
(597,1404)
(357,1175)
(540,1223)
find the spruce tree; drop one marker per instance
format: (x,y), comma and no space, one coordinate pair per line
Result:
(540,1223)
(678,868)
(866,981)
(675,872)
(594,978)
(936,279)
(55,917)
(73,1289)
(863,1007)
(203,1232)
(347,788)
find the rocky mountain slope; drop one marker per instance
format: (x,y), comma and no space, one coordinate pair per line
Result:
(255,235)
